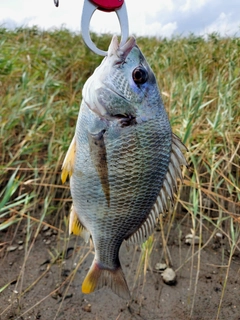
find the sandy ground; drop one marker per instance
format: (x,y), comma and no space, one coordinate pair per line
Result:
(50,291)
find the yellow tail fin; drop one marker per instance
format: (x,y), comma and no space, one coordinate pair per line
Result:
(98,277)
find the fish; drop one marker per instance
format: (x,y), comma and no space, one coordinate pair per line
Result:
(124,162)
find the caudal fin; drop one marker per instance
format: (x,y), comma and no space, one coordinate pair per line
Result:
(98,277)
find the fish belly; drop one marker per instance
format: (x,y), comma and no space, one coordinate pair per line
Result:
(137,159)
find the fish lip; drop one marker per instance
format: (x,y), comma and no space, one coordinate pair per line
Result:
(121,52)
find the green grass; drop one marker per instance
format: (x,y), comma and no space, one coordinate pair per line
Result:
(41,78)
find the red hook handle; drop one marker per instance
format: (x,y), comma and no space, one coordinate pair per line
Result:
(108,5)
(89,7)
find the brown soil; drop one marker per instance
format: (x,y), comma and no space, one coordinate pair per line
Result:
(151,298)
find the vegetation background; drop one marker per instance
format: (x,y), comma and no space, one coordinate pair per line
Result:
(41,78)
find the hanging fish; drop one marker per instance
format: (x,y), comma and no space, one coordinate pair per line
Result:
(123,162)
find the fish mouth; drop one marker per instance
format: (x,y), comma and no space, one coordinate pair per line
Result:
(121,52)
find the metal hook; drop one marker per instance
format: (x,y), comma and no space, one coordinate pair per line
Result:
(88,9)
(56,2)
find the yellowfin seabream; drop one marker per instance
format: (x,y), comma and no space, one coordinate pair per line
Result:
(123,162)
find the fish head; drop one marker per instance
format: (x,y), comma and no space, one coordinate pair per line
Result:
(123,85)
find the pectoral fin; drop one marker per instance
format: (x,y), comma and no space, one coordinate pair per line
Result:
(76,227)
(68,163)
(99,157)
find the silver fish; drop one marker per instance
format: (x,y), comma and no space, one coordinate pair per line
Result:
(123,162)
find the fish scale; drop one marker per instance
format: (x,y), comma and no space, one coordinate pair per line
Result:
(138,173)
(123,162)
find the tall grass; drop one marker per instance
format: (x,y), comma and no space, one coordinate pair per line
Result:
(41,78)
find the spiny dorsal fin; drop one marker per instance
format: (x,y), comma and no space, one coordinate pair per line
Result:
(68,163)
(166,195)
(76,227)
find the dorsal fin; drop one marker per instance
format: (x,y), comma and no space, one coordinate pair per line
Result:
(76,227)
(68,163)
(166,195)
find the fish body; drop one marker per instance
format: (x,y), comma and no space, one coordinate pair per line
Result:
(123,162)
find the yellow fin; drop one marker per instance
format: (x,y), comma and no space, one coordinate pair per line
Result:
(76,227)
(90,282)
(68,163)
(99,277)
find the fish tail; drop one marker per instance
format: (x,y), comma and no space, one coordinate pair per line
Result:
(99,277)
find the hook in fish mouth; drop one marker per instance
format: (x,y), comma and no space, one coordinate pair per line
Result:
(119,50)
(88,10)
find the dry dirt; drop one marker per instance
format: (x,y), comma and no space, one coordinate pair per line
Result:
(151,298)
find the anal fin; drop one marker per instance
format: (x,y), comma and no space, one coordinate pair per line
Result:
(76,227)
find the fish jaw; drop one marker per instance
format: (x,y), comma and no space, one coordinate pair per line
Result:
(118,53)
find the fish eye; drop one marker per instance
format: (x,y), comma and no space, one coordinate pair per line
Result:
(139,75)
